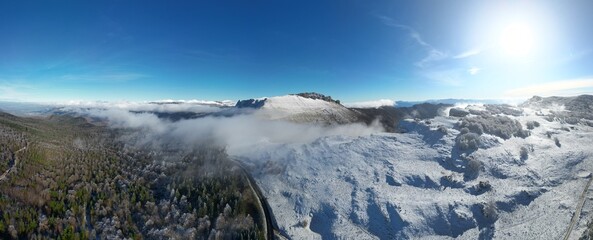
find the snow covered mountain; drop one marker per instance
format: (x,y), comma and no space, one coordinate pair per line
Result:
(451,171)
(495,171)
(301,109)
(317,108)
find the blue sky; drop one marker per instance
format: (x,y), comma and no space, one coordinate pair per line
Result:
(351,50)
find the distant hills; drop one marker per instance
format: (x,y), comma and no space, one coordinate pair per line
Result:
(309,107)
(448,101)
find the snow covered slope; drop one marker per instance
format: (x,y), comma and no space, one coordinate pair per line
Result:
(300,109)
(423,185)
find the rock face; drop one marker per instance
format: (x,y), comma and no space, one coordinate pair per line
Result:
(314,95)
(251,103)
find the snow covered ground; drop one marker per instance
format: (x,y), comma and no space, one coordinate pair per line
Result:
(328,180)
(420,185)
(304,110)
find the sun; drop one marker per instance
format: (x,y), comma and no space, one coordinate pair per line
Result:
(517,40)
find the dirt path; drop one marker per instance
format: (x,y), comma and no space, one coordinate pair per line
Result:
(13,167)
(577,213)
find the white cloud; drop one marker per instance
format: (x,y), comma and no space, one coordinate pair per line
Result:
(13,92)
(371,104)
(8,93)
(468,53)
(433,65)
(433,56)
(124,119)
(566,87)
(198,106)
(415,35)
(433,53)
(474,70)
(226,103)
(449,77)
(241,134)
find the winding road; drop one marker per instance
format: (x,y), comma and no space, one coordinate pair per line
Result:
(272,231)
(13,167)
(577,213)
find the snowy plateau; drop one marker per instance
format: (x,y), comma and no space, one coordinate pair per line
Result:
(490,171)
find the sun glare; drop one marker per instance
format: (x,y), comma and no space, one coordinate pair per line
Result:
(517,40)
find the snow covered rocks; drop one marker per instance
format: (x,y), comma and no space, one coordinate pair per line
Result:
(504,184)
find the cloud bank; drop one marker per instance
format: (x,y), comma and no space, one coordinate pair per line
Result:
(371,104)
(242,135)
(168,105)
(567,87)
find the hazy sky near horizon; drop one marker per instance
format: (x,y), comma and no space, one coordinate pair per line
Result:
(351,50)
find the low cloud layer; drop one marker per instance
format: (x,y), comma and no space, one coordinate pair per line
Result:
(241,134)
(371,104)
(168,106)
(560,88)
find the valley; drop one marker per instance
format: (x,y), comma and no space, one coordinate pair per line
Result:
(72,180)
